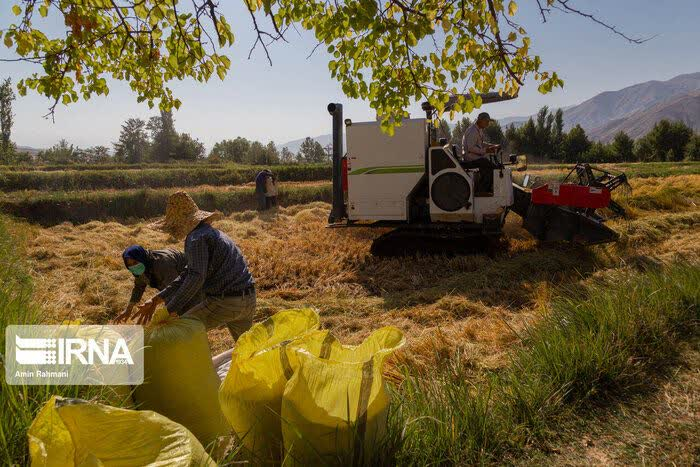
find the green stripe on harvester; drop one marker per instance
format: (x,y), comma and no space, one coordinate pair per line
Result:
(399,169)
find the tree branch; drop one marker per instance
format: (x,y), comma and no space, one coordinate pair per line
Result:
(501,47)
(564,7)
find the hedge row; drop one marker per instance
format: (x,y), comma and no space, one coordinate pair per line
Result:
(114,166)
(68,180)
(133,205)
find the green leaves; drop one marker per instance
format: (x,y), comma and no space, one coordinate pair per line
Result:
(388,53)
(146,43)
(384,62)
(512,8)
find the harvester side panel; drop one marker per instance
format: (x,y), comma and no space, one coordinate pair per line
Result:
(382,170)
(451,188)
(502,196)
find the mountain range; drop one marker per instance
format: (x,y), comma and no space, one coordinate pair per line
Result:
(634,110)
(607,106)
(684,108)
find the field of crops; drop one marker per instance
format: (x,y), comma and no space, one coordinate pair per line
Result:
(50,197)
(108,177)
(466,318)
(296,260)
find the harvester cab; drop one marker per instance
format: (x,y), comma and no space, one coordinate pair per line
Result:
(416,184)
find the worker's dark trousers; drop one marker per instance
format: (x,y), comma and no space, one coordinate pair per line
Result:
(486,168)
(262,201)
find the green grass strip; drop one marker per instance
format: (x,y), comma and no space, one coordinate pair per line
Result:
(159,177)
(131,205)
(20,404)
(597,343)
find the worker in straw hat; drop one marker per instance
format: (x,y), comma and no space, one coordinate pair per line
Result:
(215,266)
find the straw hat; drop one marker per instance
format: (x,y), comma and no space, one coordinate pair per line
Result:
(182,215)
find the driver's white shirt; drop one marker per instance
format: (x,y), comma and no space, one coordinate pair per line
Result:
(473,143)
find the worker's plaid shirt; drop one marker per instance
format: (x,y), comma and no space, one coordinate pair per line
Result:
(215,265)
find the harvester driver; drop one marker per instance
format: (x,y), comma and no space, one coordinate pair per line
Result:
(476,154)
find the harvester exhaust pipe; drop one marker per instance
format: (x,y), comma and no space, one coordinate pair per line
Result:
(338,208)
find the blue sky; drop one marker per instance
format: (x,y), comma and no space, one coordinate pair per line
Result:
(287,100)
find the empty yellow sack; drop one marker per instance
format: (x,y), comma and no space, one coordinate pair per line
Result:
(335,406)
(251,394)
(179,378)
(73,432)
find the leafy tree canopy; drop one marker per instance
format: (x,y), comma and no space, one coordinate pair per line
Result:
(692,149)
(389,52)
(234,150)
(312,152)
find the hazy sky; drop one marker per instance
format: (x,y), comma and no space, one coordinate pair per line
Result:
(288,100)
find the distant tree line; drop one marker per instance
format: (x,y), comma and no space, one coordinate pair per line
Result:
(155,141)
(544,137)
(243,151)
(139,141)
(66,153)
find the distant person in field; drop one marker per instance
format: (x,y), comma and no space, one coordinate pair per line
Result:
(476,153)
(270,191)
(260,188)
(154,268)
(216,268)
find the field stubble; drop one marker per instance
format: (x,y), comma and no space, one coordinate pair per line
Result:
(471,306)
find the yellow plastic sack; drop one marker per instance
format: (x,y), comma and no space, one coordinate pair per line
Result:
(116,395)
(335,406)
(73,432)
(251,394)
(179,379)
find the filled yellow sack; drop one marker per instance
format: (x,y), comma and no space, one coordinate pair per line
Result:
(73,432)
(251,394)
(335,406)
(179,379)
(116,395)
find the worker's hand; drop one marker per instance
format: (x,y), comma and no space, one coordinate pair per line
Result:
(144,312)
(124,315)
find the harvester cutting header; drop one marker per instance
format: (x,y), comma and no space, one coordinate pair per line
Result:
(434,199)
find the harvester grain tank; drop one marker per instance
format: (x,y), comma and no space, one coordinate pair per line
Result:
(416,185)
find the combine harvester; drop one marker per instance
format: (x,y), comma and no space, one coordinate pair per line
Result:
(414,184)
